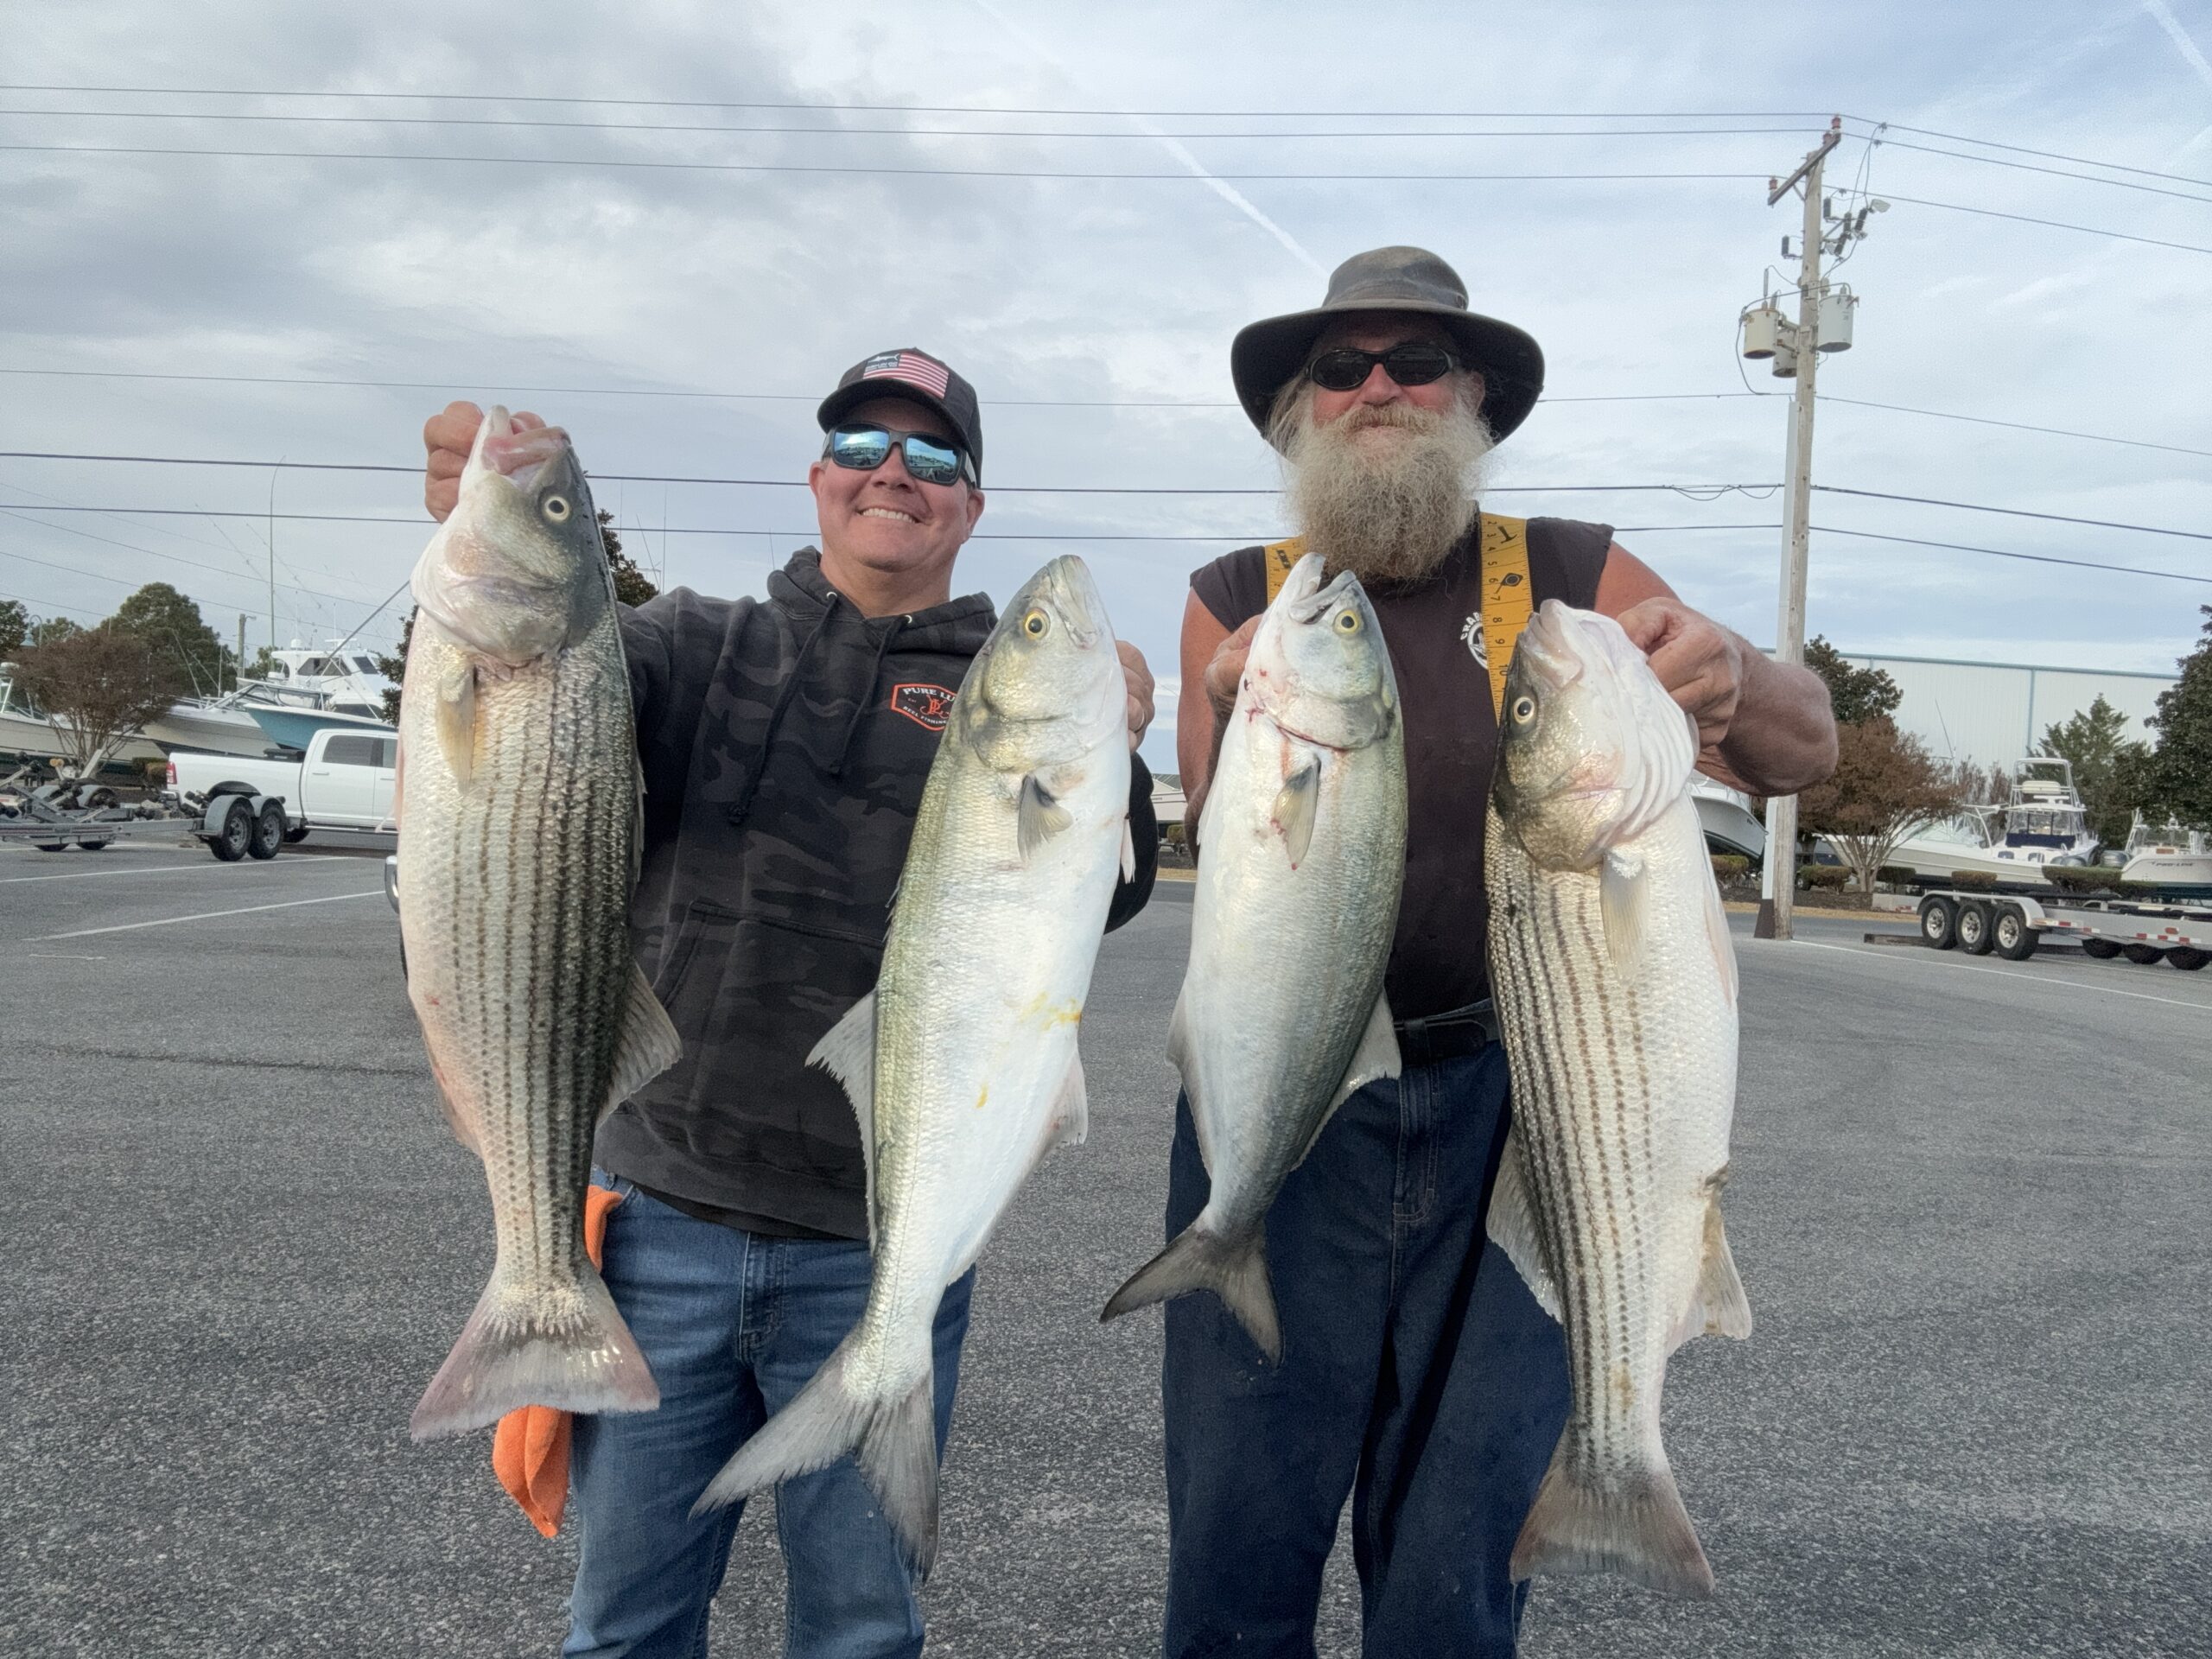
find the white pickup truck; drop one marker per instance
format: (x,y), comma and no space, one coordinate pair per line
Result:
(344,782)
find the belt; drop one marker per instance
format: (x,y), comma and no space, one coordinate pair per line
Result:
(1451,1035)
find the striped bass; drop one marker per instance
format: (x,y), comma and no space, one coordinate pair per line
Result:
(1282,1014)
(1615,987)
(519,835)
(962,1064)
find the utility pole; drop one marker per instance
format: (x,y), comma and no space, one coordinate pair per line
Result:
(240,676)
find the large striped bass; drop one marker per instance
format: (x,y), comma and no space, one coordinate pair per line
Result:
(961,1063)
(1616,986)
(519,842)
(1282,1013)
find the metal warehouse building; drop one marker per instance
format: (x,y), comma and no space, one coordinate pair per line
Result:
(1996,712)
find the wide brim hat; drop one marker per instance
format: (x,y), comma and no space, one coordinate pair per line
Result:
(1266,354)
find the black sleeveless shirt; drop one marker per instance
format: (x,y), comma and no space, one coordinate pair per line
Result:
(1440,958)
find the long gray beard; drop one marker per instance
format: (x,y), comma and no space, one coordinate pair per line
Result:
(1390,509)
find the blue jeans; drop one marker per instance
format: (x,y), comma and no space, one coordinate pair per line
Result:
(1418,1375)
(733,1323)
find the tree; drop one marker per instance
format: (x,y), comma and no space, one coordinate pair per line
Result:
(2180,767)
(632,587)
(2094,742)
(1856,694)
(14,628)
(1885,784)
(52,630)
(96,685)
(170,622)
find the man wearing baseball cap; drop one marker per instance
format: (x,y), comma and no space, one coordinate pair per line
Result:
(1418,1376)
(784,741)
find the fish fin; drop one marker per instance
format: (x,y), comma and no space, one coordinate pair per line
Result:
(1635,1525)
(1723,948)
(457,721)
(1235,1269)
(1129,852)
(1718,1306)
(1293,813)
(894,1443)
(649,1046)
(846,1052)
(1376,1057)
(574,1354)
(1620,906)
(638,820)
(1070,1123)
(1512,1225)
(1041,816)
(1179,1041)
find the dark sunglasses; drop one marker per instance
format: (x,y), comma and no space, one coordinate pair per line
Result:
(1346,368)
(930,460)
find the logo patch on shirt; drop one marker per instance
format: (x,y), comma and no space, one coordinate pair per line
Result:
(1471,635)
(926,705)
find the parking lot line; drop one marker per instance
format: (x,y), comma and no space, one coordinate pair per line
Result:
(163,870)
(2014,973)
(206,916)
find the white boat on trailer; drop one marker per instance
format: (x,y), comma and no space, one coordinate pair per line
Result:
(2043,822)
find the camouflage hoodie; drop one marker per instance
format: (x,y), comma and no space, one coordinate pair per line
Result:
(785,744)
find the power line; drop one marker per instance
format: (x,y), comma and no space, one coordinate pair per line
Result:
(2052,224)
(53,604)
(2015,512)
(2003,553)
(1116,134)
(879,172)
(957,109)
(462,383)
(25,515)
(1698,490)
(1999,161)
(2047,155)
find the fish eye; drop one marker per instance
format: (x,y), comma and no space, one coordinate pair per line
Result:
(1036,625)
(1348,622)
(1524,710)
(556,507)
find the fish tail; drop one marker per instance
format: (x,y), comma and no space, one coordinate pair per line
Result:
(1234,1267)
(526,1345)
(894,1442)
(1634,1525)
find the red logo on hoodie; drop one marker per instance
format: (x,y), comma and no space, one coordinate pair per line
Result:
(926,705)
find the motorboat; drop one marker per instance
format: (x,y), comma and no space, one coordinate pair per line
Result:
(2177,860)
(1726,816)
(27,734)
(303,690)
(2043,822)
(289,726)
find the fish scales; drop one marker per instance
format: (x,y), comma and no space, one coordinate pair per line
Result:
(1281,1013)
(1615,984)
(518,812)
(962,1064)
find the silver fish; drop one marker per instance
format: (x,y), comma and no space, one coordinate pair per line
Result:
(1615,985)
(961,1063)
(1282,1013)
(519,834)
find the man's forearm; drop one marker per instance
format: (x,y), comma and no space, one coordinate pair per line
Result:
(1781,737)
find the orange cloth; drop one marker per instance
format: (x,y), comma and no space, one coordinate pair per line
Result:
(530,1449)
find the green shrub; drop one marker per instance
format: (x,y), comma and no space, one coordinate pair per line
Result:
(1975,880)
(1729,867)
(1824,878)
(1897,875)
(2073,879)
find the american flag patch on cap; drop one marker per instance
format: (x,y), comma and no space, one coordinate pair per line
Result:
(910,366)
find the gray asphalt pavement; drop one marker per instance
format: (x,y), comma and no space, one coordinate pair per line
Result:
(1968,1204)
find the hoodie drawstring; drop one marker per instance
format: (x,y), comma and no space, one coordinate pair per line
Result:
(866,698)
(738,809)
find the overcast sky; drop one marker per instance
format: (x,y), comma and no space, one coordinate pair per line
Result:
(1095,315)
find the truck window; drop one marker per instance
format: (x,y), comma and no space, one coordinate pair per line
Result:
(387,752)
(350,750)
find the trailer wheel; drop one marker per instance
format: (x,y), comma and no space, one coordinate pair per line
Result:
(2016,940)
(91,846)
(268,832)
(2187,958)
(1976,935)
(2102,949)
(237,834)
(1939,922)
(51,846)
(2142,955)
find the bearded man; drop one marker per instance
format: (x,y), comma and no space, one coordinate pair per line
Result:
(1418,1374)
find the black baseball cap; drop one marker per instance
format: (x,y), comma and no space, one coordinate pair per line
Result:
(919,378)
